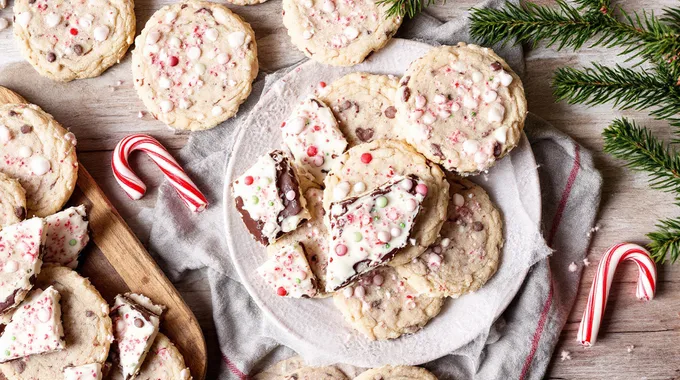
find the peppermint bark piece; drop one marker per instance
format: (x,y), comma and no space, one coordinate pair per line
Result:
(288,272)
(21,247)
(367,231)
(135,326)
(35,327)
(91,371)
(67,235)
(312,135)
(269,199)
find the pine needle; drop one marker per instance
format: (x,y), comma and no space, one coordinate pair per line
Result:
(642,151)
(665,241)
(404,8)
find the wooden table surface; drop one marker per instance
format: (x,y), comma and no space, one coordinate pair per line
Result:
(101,111)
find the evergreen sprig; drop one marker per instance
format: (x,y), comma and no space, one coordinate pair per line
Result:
(665,241)
(627,88)
(567,26)
(404,8)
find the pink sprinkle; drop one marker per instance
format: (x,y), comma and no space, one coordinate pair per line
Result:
(378,280)
(290,195)
(359,291)
(341,250)
(366,158)
(421,189)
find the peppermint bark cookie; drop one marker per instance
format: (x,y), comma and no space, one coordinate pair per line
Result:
(67,235)
(313,235)
(269,199)
(86,323)
(397,373)
(12,201)
(367,166)
(135,325)
(368,230)
(35,327)
(382,306)
(91,371)
(164,361)
(39,153)
(363,105)
(461,107)
(69,39)
(288,273)
(21,251)
(313,138)
(339,33)
(467,253)
(295,368)
(193,64)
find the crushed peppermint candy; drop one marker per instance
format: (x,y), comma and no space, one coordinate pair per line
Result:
(288,272)
(92,371)
(67,235)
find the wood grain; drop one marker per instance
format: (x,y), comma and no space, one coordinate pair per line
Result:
(117,262)
(99,112)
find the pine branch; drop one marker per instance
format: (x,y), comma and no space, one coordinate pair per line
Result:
(626,88)
(404,8)
(665,241)
(627,141)
(567,26)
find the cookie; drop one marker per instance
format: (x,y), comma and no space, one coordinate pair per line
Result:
(363,105)
(67,39)
(313,235)
(194,63)
(67,235)
(246,2)
(12,201)
(313,138)
(467,253)
(135,326)
(163,362)
(39,153)
(269,199)
(368,230)
(92,371)
(295,368)
(339,33)
(87,328)
(367,166)
(21,251)
(35,327)
(381,306)
(288,273)
(461,107)
(397,373)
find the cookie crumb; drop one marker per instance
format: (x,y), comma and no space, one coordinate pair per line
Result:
(593,230)
(565,355)
(573,267)
(141,114)
(119,83)
(586,262)
(630,348)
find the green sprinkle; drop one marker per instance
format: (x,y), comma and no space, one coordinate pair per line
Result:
(271,203)
(72,242)
(14,338)
(381,202)
(298,280)
(402,225)
(387,246)
(7,353)
(358,236)
(259,188)
(376,217)
(474,113)
(255,200)
(490,79)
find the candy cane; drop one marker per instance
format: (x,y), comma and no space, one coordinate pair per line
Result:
(134,186)
(599,292)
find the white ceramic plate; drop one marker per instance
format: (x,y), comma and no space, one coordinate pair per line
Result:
(316,326)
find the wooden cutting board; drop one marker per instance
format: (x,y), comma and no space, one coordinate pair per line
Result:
(116,262)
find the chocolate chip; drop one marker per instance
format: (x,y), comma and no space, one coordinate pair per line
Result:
(78,50)
(19,366)
(89,313)
(437,151)
(345,106)
(496,66)
(477,226)
(26,129)
(20,212)
(51,57)
(365,135)
(139,323)
(184,6)
(406,94)
(497,150)
(31,1)
(12,113)
(356,107)
(390,112)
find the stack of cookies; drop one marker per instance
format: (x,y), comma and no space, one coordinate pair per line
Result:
(56,324)
(368,202)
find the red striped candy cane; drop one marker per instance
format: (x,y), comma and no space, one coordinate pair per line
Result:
(134,186)
(599,292)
